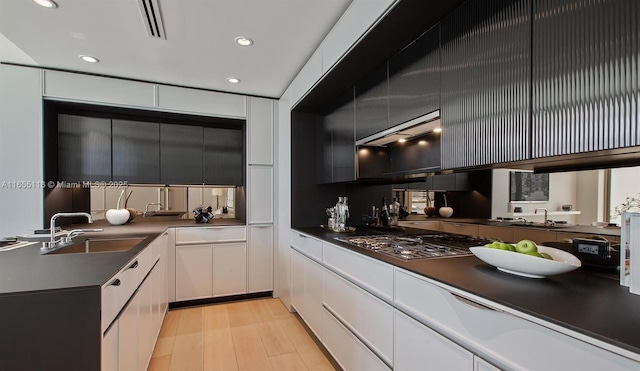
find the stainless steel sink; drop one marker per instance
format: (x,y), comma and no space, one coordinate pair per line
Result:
(164,214)
(97,245)
(538,225)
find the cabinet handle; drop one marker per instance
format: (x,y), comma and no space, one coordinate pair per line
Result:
(471,303)
(301,235)
(134,265)
(115,282)
(262,226)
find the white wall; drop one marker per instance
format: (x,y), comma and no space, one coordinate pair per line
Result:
(625,182)
(590,196)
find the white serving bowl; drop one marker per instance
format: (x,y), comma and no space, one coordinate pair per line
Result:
(599,224)
(528,265)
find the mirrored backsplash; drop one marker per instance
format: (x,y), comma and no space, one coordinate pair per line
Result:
(144,198)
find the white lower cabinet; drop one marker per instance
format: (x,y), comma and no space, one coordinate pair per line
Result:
(480,364)
(128,336)
(420,348)
(210,270)
(370,318)
(260,258)
(229,269)
(350,353)
(109,359)
(306,290)
(194,272)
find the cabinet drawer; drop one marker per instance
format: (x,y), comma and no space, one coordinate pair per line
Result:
(373,275)
(496,336)
(197,235)
(347,350)
(460,228)
(117,291)
(370,318)
(428,225)
(496,233)
(309,246)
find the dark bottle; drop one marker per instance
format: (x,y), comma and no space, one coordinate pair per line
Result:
(384,213)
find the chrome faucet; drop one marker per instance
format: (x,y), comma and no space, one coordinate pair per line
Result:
(64,240)
(546,220)
(146,209)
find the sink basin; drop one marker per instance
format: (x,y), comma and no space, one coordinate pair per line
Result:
(96,245)
(164,214)
(538,225)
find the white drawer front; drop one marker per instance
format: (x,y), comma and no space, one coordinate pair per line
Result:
(369,273)
(347,350)
(307,245)
(197,235)
(117,291)
(497,336)
(369,317)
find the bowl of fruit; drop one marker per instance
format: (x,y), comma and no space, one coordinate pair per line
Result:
(526,258)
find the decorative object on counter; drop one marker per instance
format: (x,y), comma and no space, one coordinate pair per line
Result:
(630,204)
(394,212)
(347,229)
(117,216)
(202,214)
(132,212)
(331,222)
(527,259)
(430,210)
(445,211)
(384,213)
(567,207)
(403,213)
(342,214)
(599,224)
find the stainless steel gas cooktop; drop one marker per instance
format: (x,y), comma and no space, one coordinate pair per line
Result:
(411,247)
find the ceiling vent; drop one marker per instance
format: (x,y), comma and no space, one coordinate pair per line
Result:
(152,19)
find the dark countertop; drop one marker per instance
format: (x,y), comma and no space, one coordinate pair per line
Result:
(26,270)
(586,229)
(590,303)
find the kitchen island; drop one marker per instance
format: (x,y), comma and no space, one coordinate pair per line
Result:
(582,307)
(52,305)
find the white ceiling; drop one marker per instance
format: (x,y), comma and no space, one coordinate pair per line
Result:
(199,49)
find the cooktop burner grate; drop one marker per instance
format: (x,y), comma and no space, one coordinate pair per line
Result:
(406,247)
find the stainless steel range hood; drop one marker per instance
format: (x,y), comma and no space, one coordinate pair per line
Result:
(410,129)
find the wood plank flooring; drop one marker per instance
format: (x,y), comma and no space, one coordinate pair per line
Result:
(258,334)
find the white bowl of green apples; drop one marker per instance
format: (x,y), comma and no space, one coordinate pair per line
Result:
(526,258)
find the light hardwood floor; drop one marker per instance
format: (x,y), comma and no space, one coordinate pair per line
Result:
(257,334)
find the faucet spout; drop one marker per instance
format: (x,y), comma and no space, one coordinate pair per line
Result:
(52,226)
(546,220)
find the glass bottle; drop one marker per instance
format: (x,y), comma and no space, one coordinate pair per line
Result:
(342,211)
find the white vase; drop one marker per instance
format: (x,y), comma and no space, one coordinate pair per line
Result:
(446,212)
(117,216)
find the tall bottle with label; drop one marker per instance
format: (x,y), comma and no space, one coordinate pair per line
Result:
(394,212)
(342,212)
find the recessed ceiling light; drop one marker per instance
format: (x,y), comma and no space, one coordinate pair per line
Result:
(90,59)
(244,41)
(437,130)
(46,3)
(233,80)
(422,142)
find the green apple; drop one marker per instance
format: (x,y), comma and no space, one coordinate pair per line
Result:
(489,246)
(526,246)
(546,256)
(509,246)
(534,253)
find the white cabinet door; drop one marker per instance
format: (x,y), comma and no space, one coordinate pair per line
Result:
(194,272)
(297,282)
(201,101)
(420,348)
(109,360)
(260,258)
(128,336)
(260,131)
(347,350)
(103,90)
(364,314)
(229,269)
(146,334)
(260,194)
(480,364)
(313,296)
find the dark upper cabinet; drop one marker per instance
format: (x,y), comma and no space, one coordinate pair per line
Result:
(486,58)
(136,151)
(418,155)
(84,148)
(586,79)
(223,156)
(181,154)
(414,79)
(335,141)
(372,105)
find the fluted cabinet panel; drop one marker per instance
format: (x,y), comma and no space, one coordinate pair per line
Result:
(372,104)
(414,79)
(585,76)
(486,73)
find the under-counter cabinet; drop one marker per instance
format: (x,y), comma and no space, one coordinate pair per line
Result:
(210,262)
(306,290)
(420,348)
(260,258)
